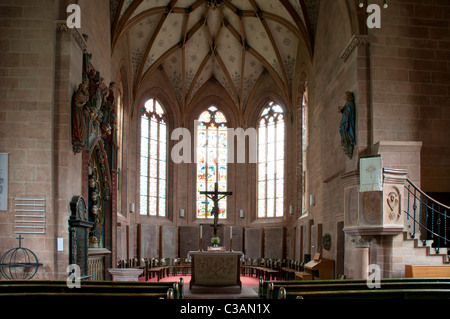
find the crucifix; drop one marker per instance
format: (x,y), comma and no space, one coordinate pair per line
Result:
(20,240)
(214,196)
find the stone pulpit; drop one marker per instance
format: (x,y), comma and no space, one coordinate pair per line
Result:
(373,206)
(375,212)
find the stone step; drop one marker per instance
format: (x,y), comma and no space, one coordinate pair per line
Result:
(415,243)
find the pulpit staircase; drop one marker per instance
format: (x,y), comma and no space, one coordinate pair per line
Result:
(428,224)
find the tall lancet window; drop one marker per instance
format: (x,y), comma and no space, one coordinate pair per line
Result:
(153,166)
(305,133)
(211,160)
(271,136)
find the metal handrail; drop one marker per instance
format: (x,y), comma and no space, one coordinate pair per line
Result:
(427,196)
(430,211)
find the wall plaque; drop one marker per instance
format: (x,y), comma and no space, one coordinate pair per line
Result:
(3,181)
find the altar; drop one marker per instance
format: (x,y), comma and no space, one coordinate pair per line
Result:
(215,271)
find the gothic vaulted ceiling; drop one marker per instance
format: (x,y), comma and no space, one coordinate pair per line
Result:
(232,42)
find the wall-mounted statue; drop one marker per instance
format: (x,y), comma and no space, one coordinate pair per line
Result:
(80,115)
(108,110)
(347,126)
(93,110)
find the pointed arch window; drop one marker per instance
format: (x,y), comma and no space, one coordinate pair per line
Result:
(153,160)
(211,153)
(119,149)
(305,141)
(271,149)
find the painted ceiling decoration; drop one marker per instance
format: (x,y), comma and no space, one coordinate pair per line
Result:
(233,42)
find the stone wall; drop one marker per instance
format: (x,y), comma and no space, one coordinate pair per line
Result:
(399,75)
(401,86)
(329,79)
(40,68)
(411,77)
(27,129)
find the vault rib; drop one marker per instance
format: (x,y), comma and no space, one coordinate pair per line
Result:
(261,59)
(155,64)
(149,47)
(272,42)
(307,21)
(198,73)
(294,15)
(124,19)
(227,75)
(116,18)
(271,70)
(124,28)
(213,44)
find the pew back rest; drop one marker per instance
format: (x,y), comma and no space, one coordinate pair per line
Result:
(426,271)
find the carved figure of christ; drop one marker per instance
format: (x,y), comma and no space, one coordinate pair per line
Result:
(215,196)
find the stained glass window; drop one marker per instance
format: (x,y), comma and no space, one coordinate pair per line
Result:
(119,148)
(304,155)
(270,169)
(153,160)
(211,160)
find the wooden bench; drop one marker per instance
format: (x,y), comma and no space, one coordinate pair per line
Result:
(268,269)
(290,271)
(167,290)
(267,273)
(156,267)
(270,289)
(181,264)
(287,273)
(303,275)
(73,296)
(367,294)
(426,271)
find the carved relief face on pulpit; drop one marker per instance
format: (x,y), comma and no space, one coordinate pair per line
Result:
(393,211)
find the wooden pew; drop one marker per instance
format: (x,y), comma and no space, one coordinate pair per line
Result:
(91,296)
(157,267)
(270,289)
(168,290)
(426,271)
(289,271)
(367,294)
(267,268)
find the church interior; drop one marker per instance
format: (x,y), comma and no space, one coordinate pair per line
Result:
(135,132)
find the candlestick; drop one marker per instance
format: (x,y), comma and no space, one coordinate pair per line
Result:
(201,238)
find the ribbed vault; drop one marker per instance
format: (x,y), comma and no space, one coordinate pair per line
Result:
(232,42)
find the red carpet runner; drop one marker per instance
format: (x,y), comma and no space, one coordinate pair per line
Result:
(252,281)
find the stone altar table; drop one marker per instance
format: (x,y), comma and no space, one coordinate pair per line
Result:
(215,271)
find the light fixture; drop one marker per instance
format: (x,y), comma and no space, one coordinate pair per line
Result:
(132,208)
(385,4)
(241,213)
(361,4)
(182,213)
